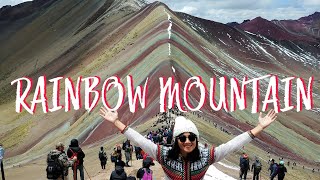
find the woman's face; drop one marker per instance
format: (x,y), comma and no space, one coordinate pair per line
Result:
(187,142)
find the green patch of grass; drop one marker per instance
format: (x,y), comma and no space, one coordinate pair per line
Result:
(16,135)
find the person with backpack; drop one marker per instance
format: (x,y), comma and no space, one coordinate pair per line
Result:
(256,168)
(185,153)
(145,173)
(118,148)
(244,166)
(137,150)
(1,161)
(75,151)
(119,173)
(281,170)
(103,158)
(273,169)
(128,152)
(114,156)
(58,163)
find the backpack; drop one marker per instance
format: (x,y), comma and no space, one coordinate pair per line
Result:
(146,175)
(101,156)
(244,163)
(127,148)
(113,158)
(257,166)
(54,168)
(75,154)
(281,170)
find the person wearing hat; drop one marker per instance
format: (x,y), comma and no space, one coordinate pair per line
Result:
(145,172)
(75,150)
(256,168)
(119,173)
(273,169)
(185,160)
(103,158)
(58,156)
(281,170)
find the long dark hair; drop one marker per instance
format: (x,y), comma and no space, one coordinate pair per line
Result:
(173,154)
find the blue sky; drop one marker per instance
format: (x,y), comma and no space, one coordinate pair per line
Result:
(235,10)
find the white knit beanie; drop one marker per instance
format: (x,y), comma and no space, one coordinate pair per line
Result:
(183,125)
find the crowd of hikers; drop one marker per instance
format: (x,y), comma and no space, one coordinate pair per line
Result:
(275,169)
(177,140)
(186,158)
(58,161)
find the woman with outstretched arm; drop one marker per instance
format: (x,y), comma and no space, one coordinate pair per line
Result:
(185,160)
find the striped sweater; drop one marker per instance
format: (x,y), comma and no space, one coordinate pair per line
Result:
(184,170)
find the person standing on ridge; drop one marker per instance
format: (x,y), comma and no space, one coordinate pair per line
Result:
(118,173)
(273,169)
(75,151)
(184,159)
(128,149)
(103,158)
(244,166)
(256,168)
(282,170)
(145,173)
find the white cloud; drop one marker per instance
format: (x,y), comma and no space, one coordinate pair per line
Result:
(230,10)
(188,9)
(229,15)
(311,3)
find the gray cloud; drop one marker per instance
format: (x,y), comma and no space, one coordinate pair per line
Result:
(230,10)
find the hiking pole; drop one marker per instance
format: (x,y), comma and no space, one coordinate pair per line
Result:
(87,172)
(2,170)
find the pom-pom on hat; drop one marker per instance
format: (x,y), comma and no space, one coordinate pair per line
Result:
(183,125)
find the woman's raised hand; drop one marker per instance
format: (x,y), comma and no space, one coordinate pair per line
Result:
(268,119)
(110,116)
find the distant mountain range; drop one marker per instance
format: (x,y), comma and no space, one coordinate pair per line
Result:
(305,29)
(72,38)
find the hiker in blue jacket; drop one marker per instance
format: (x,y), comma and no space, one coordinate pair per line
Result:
(273,169)
(244,166)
